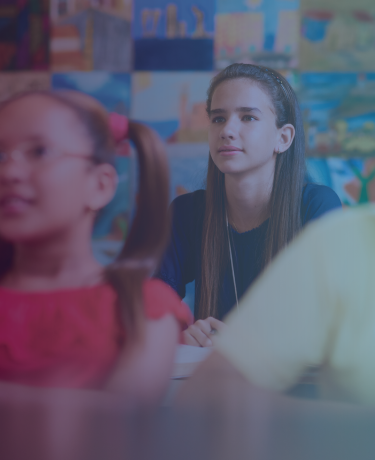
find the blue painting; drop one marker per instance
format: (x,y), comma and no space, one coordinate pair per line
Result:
(339,113)
(110,89)
(187,173)
(173,35)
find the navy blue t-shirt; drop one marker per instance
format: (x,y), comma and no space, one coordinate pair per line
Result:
(182,261)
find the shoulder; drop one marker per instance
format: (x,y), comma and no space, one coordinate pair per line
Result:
(317,200)
(348,222)
(189,202)
(352,229)
(160,300)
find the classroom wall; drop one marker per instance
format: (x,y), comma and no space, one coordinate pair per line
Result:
(153,60)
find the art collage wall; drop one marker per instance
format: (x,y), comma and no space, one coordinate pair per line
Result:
(153,60)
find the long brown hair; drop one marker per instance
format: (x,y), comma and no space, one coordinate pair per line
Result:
(148,234)
(285,201)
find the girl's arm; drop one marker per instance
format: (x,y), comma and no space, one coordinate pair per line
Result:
(143,372)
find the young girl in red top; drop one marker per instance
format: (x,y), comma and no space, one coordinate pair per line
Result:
(64,320)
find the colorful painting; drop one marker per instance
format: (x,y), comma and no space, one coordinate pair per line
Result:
(12,83)
(24,33)
(338,35)
(264,32)
(352,179)
(111,89)
(91,35)
(339,113)
(174,35)
(173,103)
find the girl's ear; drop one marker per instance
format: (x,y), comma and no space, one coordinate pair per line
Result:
(102,187)
(285,138)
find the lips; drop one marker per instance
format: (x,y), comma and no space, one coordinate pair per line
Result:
(229,150)
(14,204)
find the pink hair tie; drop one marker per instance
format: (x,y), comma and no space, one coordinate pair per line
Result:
(119,125)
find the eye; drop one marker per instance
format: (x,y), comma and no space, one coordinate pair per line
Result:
(218,120)
(248,118)
(38,151)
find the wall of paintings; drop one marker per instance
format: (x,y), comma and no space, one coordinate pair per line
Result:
(153,60)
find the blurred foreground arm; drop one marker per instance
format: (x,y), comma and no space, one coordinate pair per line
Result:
(143,371)
(311,306)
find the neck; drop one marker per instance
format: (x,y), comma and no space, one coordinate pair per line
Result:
(61,261)
(248,198)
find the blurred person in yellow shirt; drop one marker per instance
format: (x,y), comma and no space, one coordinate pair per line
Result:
(313,306)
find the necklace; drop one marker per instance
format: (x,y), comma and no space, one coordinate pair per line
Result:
(231,258)
(234,226)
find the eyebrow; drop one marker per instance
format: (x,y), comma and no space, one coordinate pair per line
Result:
(238,109)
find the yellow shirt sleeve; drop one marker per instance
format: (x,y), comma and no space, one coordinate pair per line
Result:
(284,321)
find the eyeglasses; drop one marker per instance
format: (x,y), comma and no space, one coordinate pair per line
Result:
(37,155)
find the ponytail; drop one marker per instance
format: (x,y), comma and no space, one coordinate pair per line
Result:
(148,234)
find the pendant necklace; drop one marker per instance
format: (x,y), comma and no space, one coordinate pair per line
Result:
(231,258)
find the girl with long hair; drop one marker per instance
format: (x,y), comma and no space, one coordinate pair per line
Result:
(255,200)
(65,320)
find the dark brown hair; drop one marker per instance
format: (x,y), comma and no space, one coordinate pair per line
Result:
(286,195)
(148,234)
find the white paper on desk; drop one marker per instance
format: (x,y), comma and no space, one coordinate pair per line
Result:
(190,354)
(187,359)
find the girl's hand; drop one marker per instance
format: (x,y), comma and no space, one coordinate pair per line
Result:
(200,333)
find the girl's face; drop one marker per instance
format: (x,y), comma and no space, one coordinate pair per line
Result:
(47,182)
(243,136)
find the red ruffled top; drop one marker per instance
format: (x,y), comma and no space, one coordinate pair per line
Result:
(71,338)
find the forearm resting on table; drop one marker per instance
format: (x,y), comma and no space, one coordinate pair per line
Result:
(144,371)
(218,385)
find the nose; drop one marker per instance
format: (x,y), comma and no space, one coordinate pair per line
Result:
(13,169)
(229,130)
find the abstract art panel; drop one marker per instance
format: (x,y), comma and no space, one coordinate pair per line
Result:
(264,32)
(173,35)
(91,35)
